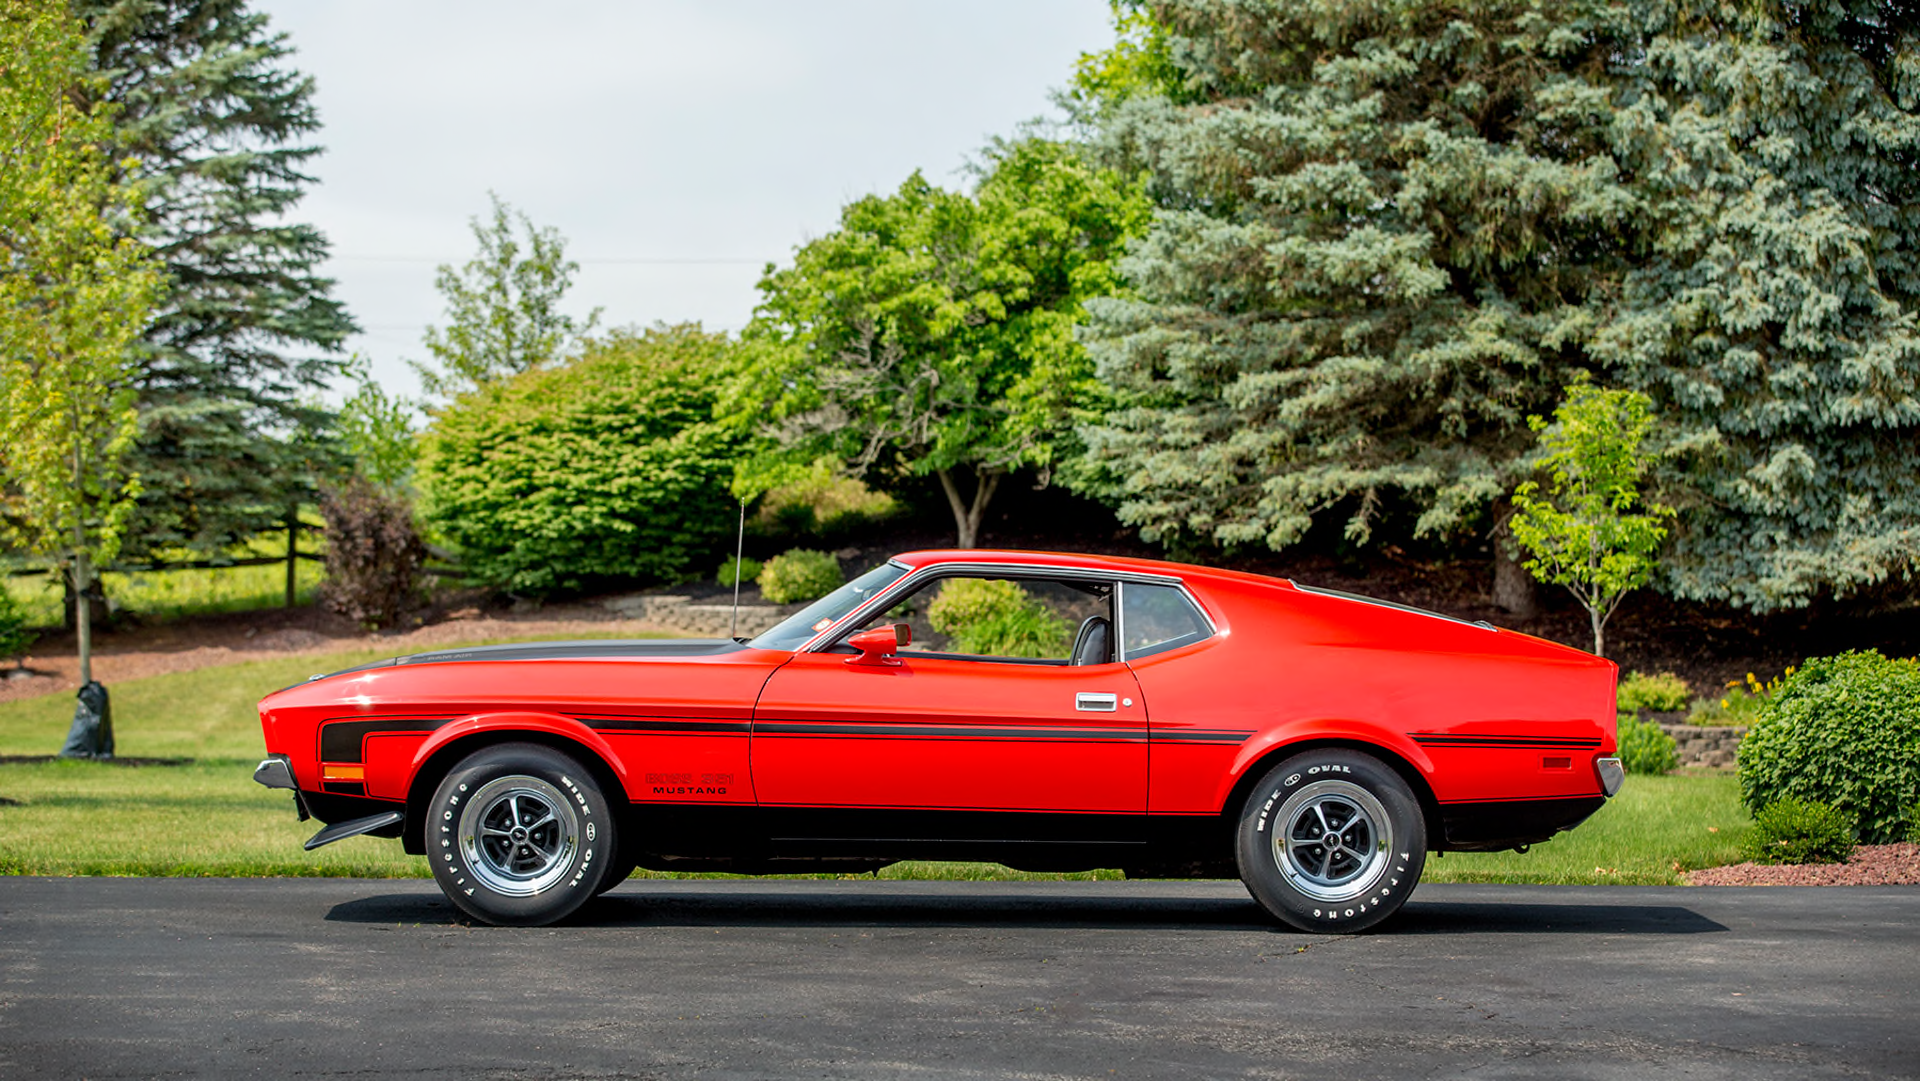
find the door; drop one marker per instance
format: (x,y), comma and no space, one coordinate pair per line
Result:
(957,728)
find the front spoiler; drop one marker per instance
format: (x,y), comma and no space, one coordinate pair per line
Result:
(354,828)
(276,771)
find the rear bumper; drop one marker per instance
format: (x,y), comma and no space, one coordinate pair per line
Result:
(1496,825)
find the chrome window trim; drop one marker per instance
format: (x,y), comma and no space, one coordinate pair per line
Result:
(1360,598)
(915,578)
(1119,614)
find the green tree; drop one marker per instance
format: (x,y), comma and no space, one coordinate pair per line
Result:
(1377,228)
(503,307)
(933,332)
(73,300)
(215,126)
(1772,315)
(1582,532)
(1388,231)
(609,467)
(378,431)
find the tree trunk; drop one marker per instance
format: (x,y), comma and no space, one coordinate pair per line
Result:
(967,515)
(83,615)
(1514,590)
(1599,631)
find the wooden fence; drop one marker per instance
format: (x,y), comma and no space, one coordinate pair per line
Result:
(293,526)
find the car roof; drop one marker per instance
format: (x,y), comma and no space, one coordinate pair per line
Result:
(1079,561)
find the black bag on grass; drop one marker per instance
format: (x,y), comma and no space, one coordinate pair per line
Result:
(92,733)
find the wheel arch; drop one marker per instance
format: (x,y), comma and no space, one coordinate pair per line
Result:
(1257,767)
(437,759)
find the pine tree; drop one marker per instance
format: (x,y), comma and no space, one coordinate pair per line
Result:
(218,125)
(1773,316)
(1388,231)
(1378,225)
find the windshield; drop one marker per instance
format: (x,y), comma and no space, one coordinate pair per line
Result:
(793,631)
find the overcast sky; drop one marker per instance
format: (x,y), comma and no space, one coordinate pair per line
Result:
(679,146)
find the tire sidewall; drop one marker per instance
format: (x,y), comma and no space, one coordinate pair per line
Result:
(594,852)
(1269,886)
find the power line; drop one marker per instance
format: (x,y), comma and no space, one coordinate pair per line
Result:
(585,261)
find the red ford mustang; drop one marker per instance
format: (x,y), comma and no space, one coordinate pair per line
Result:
(1170,720)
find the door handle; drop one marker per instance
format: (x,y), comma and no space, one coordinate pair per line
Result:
(1096,703)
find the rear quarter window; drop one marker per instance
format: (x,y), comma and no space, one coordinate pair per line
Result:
(1155,619)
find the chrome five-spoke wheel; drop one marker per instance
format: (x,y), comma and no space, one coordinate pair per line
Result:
(1334,842)
(519,834)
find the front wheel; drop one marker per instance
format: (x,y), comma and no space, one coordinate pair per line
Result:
(1331,841)
(520,835)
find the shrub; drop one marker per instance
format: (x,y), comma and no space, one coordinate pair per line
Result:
(610,467)
(821,503)
(997,618)
(1741,704)
(747,570)
(373,554)
(1663,693)
(963,602)
(1645,747)
(1844,731)
(14,636)
(800,574)
(1800,831)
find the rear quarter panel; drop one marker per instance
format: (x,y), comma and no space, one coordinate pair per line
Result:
(1480,714)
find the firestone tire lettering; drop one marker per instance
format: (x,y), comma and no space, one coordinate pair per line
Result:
(1331,841)
(526,835)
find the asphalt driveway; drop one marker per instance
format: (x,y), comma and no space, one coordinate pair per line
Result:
(106,978)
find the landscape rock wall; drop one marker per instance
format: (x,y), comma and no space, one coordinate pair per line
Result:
(700,620)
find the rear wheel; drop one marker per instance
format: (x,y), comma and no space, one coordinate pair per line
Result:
(1331,841)
(520,835)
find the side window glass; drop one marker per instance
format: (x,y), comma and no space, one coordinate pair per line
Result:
(1155,619)
(999,619)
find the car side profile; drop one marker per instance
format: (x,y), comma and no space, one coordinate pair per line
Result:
(1046,711)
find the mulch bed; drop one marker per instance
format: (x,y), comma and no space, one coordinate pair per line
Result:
(1871,865)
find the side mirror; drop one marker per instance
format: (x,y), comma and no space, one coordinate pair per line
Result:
(878,646)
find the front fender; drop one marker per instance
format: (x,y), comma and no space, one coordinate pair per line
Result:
(545,723)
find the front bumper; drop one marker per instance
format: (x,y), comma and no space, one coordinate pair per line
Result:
(276,771)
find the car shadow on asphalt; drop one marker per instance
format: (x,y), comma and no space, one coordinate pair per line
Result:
(1493,917)
(779,908)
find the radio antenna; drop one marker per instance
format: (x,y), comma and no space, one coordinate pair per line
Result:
(739,549)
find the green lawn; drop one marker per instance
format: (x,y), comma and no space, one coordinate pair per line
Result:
(205,816)
(1693,819)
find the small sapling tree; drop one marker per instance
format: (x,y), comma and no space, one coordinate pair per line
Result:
(1582,531)
(74,297)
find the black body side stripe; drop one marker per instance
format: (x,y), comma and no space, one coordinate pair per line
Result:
(969,732)
(1439,740)
(1200,735)
(648,724)
(341,741)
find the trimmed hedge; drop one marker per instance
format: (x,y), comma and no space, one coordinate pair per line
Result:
(1799,831)
(610,467)
(747,570)
(800,574)
(1844,731)
(997,618)
(1664,692)
(1644,747)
